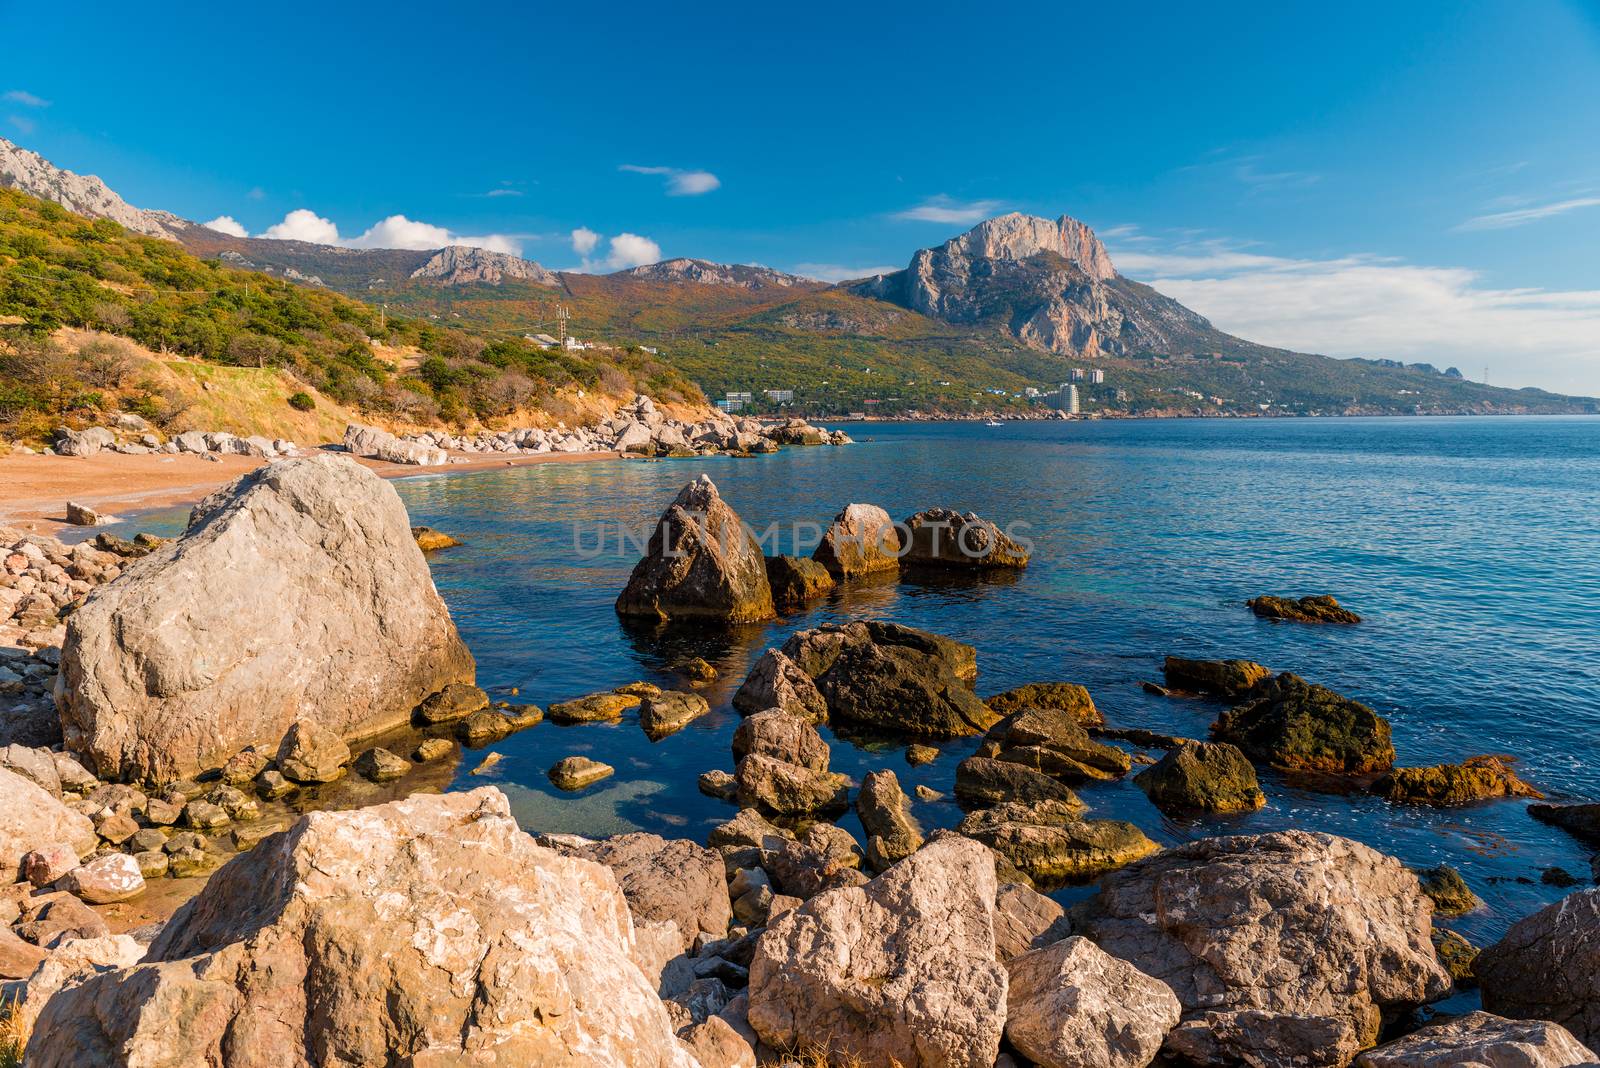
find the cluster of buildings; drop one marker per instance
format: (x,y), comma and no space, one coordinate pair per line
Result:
(739,401)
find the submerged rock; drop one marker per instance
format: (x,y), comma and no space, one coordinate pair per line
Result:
(1219,678)
(1478,778)
(701,564)
(1066,697)
(1299,726)
(861,541)
(1457,955)
(1449,892)
(1305,931)
(1071,1005)
(295,590)
(1050,841)
(1482,1039)
(1547,967)
(1320,609)
(796,580)
(594,708)
(943,537)
(902,968)
(429,930)
(1202,777)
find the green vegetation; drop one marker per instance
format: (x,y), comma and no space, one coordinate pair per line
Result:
(61,270)
(302,402)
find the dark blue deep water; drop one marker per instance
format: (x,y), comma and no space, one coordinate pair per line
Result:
(1471,547)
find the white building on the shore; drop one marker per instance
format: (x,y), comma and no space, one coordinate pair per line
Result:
(1067,399)
(1096,376)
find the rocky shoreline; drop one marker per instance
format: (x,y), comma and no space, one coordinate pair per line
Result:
(431,929)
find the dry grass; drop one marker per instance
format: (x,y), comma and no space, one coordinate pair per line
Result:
(814,1056)
(13,1038)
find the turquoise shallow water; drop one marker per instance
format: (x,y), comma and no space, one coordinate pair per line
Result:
(1470,546)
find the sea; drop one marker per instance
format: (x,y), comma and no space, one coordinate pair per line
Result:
(1470,547)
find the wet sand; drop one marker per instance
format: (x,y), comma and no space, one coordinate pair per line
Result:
(34,490)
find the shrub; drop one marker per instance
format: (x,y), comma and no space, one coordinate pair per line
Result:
(302,402)
(105,362)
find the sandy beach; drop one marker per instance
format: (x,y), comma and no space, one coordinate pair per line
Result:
(34,490)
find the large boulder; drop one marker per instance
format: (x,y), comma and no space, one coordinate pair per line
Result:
(32,819)
(1300,726)
(795,581)
(1478,778)
(1482,1040)
(1288,925)
(375,444)
(943,537)
(427,931)
(1050,841)
(1218,678)
(1202,777)
(1072,1005)
(1053,741)
(1066,697)
(667,880)
(1580,819)
(778,682)
(901,969)
(701,564)
(884,676)
(297,590)
(861,541)
(1547,967)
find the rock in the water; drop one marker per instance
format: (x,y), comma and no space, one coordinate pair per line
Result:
(1457,955)
(430,540)
(1478,778)
(890,677)
(1547,967)
(667,880)
(718,784)
(1581,820)
(1066,697)
(778,682)
(1449,892)
(918,755)
(425,931)
(576,772)
(1299,726)
(786,789)
(1202,777)
(113,877)
(1050,842)
(456,701)
(1070,1005)
(380,765)
(701,564)
(81,515)
(670,711)
(595,708)
(986,781)
(1319,609)
(1219,678)
(892,832)
(32,819)
(295,590)
(943,537)
(1054,742)
(312,753)
(783,737)
(1025,919)
(1288,925)
(901,968)
(861,541)
(431,749)
(1482,1040)
(796,580)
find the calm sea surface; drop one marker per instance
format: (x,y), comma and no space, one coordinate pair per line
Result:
(1471,547)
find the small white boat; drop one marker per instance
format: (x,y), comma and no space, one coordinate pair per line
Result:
(994,422)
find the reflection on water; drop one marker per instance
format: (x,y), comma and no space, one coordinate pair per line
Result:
(1468,545)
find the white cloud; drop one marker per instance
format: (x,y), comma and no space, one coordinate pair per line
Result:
(945,209)
(838,272)
(226,224)
(25,98)
(303,224)
(680,183)
(631,250)
(1362,305)
(1501,220)
(584,240)
(396,231)
(23,123)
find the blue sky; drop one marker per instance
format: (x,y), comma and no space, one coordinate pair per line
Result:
(1414,180)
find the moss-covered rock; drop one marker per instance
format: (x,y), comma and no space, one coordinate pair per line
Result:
(796,580)
(1449,892)
(1066,697)
(1052,843)
(1321,609)
(1299,726)
(1203,777)
(1053,741)
(1219,678)
(1457,955)
(1478,778)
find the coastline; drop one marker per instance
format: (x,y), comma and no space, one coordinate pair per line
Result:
(34,489)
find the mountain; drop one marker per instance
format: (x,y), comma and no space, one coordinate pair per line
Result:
(1017,302)
(740,275)
(1051,285)
(87,195)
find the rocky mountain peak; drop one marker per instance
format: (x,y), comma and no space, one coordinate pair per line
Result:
(462,264)
(83,194)
(740,275)
(1017,237)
